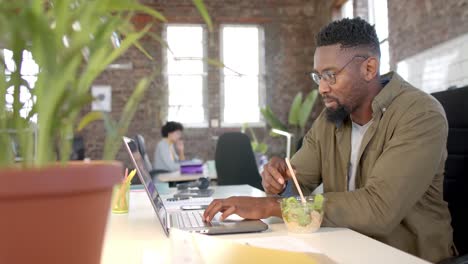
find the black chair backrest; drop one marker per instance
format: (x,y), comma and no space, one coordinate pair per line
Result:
(455,103)
(235,161)
(78,148)
(140,142)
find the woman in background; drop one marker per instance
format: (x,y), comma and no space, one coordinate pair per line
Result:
(170,149)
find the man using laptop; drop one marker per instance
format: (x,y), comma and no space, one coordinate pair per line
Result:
(379,148)
(191,220)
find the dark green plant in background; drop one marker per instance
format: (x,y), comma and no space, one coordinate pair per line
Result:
(257,146)
(299,114)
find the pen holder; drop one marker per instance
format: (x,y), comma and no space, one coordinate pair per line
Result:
(120,198)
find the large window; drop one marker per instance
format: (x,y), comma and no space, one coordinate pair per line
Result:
(186,74)
(378,15)
(29,71)
(242,78)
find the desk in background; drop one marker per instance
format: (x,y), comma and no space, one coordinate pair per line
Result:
(209,170)
(137,237)
(178,177)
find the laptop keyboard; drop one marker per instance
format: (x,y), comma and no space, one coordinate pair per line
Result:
(190,219)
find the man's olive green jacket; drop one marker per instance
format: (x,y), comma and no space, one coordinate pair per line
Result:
(398,198)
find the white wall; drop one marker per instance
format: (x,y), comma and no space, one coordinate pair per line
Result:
(439,67)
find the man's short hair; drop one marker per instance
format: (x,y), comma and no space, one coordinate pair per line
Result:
(349,33)
(171,127)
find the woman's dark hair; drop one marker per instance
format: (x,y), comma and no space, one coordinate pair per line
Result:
(171,127)
(349,33)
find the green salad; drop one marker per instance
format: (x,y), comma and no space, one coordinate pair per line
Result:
(293,210)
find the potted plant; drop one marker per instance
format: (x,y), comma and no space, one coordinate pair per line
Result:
(299,114)
(57,212)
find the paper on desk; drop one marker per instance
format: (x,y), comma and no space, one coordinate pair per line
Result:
(279,242)
(191,248)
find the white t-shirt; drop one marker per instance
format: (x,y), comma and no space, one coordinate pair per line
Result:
(357,134)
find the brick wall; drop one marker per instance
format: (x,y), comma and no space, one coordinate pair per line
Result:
(415,26)
(289,28)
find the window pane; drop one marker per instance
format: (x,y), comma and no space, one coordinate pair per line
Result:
(185,74)
(241,52)
(384,58)
(187,114)
(241,99)
(185,90)
(29,66)
(381,19)
(347,9)
(10,64)
(185,41)
(183,66)
(241,49)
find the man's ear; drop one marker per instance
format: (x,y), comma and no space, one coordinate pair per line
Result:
(370,68)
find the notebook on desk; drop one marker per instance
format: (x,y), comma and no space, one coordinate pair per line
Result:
(190,220)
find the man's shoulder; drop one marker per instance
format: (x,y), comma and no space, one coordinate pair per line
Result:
(411,100)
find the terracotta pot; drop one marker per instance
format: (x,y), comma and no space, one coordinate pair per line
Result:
(56,214)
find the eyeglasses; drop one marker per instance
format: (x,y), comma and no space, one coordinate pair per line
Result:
(330,76)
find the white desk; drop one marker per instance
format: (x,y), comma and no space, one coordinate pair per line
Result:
(138,237)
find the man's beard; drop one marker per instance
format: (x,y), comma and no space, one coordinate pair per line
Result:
(337,115)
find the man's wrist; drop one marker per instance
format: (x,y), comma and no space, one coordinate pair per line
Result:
(274,208)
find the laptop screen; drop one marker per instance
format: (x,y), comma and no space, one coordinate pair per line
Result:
(145,178)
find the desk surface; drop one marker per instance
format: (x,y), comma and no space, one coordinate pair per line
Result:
(138,237)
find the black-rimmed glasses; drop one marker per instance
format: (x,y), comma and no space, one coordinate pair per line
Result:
(330,76)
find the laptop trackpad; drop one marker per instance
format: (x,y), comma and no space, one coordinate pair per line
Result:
(229,221)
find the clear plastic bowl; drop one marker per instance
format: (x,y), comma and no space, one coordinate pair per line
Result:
(302,218)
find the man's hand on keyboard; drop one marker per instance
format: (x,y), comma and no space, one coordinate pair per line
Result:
(245,207)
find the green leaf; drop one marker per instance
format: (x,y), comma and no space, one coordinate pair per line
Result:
(262,148)
(110,146)
(129,40)
(89,118)
(306,108)
(204,13)
(271,119)
(294,110)
(252,132)
(142,50)
(254,146)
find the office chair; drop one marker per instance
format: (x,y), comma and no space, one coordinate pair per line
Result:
(235,161)
(78,148)
(140,142)
(456,166)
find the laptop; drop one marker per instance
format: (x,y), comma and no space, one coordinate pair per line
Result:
(188,220)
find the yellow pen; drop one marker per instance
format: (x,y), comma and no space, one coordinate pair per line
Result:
(130,176)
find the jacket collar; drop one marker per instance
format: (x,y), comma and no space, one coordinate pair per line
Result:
(388,93)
